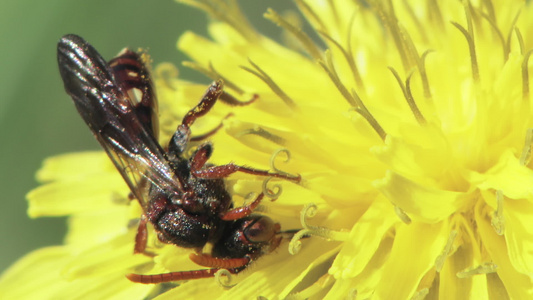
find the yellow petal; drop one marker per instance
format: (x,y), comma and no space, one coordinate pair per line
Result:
(519,234)
(77,195)
(420,202)
(400,276)
(43,269)
(451,286)
(364,285)
(508,175)
(518,285)
(113,257)
(364,240)
(422,153)
(68,166)
(194,290)
(90,228)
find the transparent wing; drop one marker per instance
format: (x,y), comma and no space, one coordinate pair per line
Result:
(112,118)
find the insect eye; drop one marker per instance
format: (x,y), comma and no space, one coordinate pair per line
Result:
(262,230)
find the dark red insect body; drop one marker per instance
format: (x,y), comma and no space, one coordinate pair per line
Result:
(183,197)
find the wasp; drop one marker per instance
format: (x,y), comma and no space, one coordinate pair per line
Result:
(183,196)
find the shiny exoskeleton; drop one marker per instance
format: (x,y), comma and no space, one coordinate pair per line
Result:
(185,198)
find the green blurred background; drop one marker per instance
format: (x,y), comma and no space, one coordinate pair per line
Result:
(37,118)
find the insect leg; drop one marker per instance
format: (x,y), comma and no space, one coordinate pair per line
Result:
(223,171)
(203,153)
(243,211)
(141,236)
(230,100)
(207,260)
(208,100)
(175,276)
(233,265)
(180,139)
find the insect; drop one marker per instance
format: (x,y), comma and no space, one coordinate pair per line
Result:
(184,198)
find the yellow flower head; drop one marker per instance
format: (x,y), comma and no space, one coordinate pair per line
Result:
(409,122)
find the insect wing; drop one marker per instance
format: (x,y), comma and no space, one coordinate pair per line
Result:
(112,118)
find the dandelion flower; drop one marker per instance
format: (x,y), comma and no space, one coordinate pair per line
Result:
(409,123)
